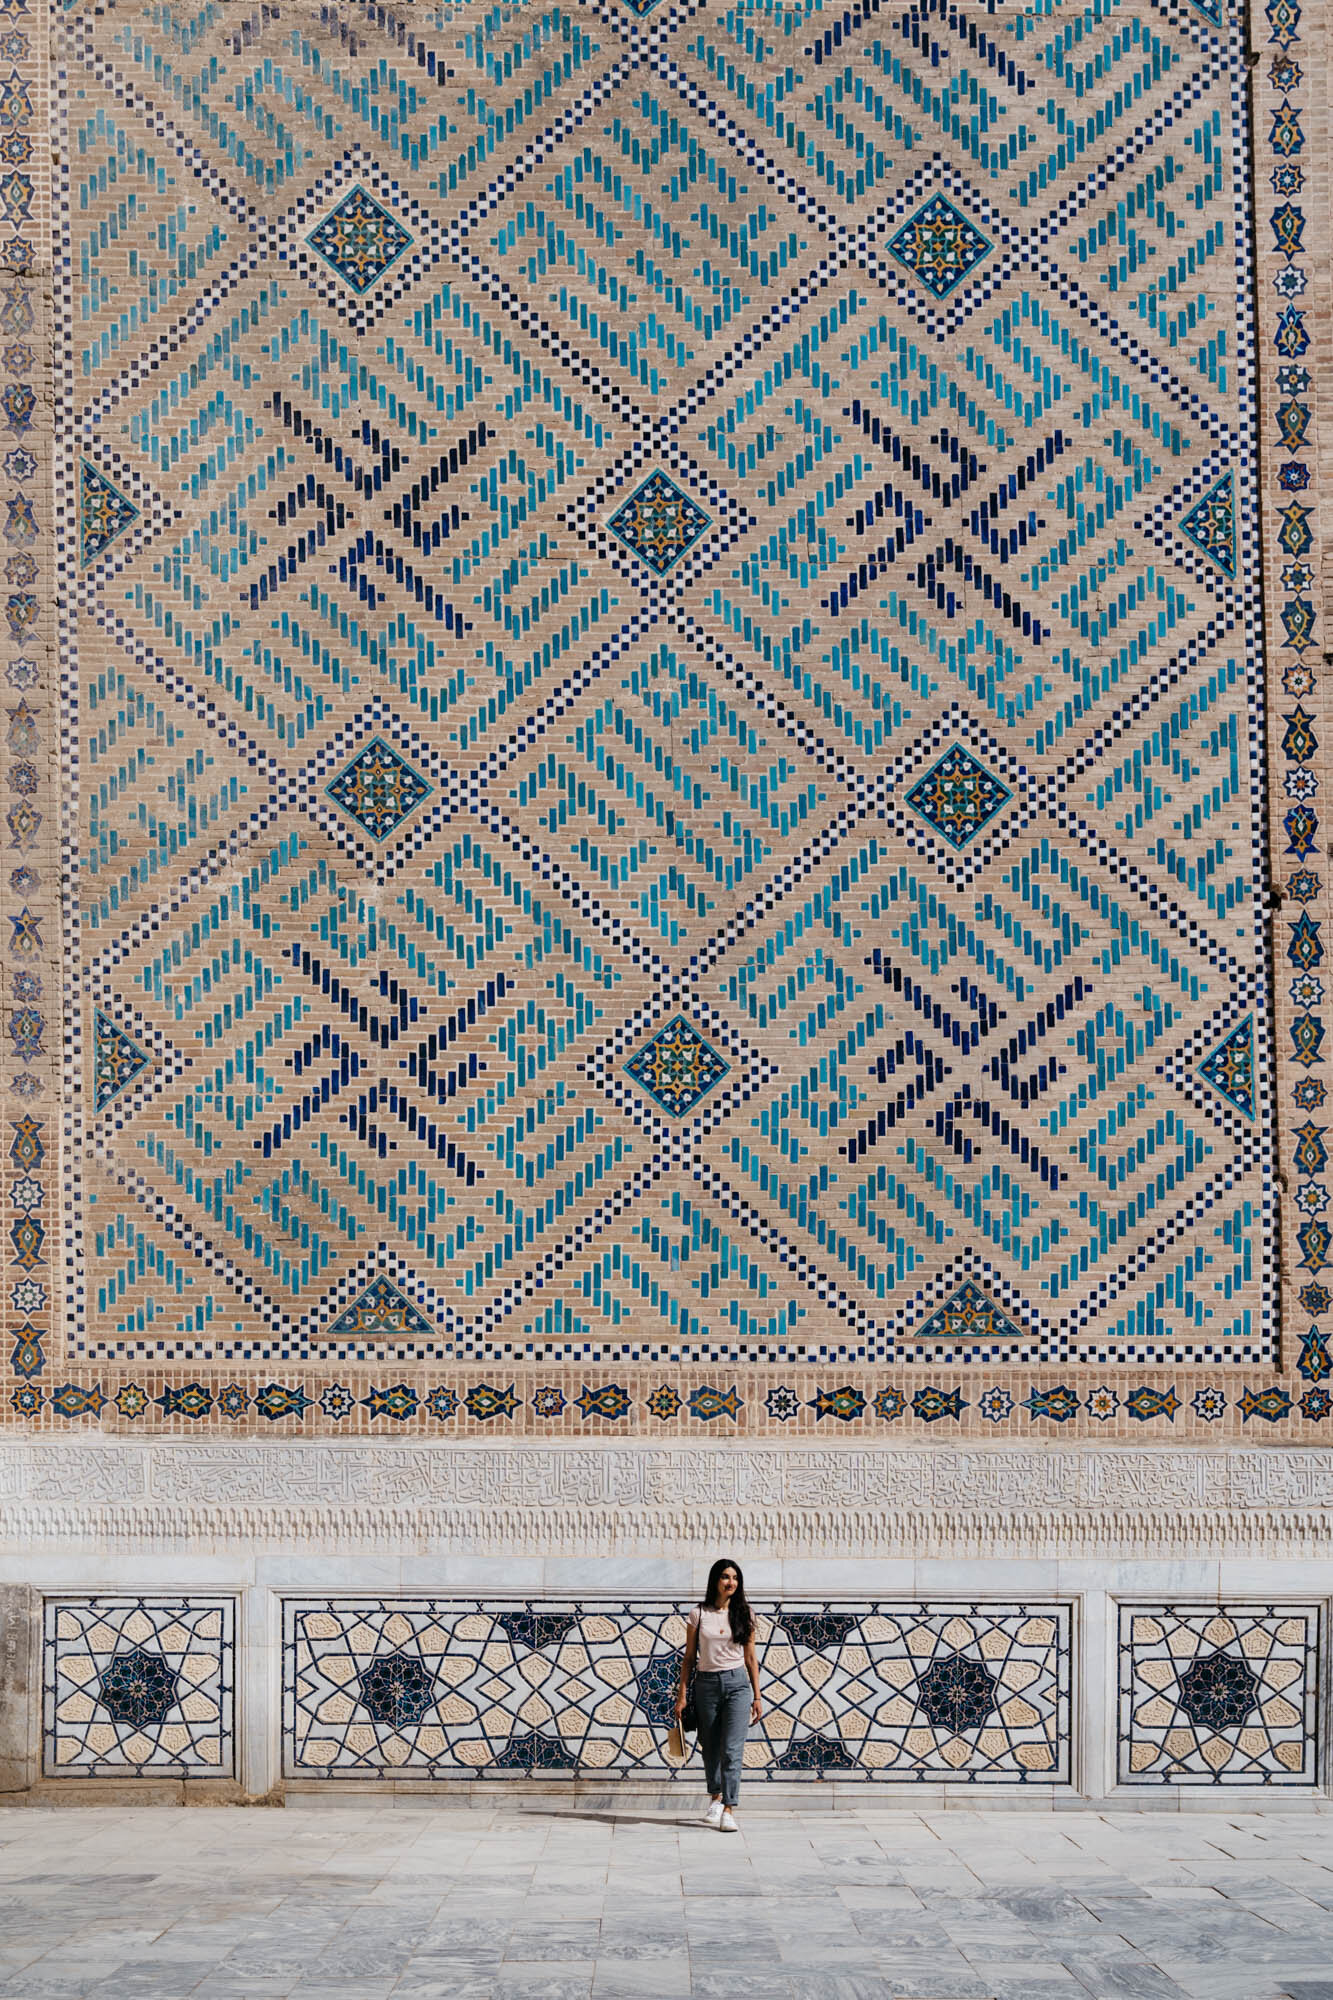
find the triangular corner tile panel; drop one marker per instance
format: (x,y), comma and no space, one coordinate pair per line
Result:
(1230,1067)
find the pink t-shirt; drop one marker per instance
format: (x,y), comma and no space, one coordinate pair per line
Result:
(718,1651)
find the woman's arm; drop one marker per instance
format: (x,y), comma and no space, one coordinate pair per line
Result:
(686,1668)
(752,1669)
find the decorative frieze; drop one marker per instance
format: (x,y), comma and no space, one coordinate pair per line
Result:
(961,1690)
(632,1497)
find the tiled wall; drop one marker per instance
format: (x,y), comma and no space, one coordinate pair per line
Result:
(968,1693)
(682,827)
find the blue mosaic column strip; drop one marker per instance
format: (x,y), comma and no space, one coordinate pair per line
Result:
(1288,352)
(30,878)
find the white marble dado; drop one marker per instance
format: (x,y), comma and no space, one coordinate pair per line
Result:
(544,1500)
(1086,1530)
(964,1606)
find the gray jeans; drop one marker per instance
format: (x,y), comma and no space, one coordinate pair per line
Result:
(722,1704)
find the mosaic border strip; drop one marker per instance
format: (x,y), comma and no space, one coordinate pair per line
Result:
(1292,169)
(31,980)
(554,1403)
(1294,1406)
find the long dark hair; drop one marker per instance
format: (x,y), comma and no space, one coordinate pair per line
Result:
(738,1610)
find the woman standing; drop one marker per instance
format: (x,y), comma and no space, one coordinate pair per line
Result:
(719,1651)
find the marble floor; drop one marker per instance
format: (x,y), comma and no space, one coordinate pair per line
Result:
(359,1902)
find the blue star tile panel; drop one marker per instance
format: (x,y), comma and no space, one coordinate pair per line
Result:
(360,240)
(901,1692)
(659,523)
(378,789)
(940,246)
(1219,1695)
(138,1687)
(677,1068)
(663,716)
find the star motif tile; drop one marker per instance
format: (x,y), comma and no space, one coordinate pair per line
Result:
(659,522)
(1218,1691)
(379,789)
(138,1687)
(939,246)
(958,797)
(956,1693)
(360,240)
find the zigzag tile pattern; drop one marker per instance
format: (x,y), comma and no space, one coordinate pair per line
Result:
(666,757)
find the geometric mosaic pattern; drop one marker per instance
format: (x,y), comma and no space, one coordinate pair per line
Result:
(659,523)
(1218,1695)
(660,717)
(360,240)
(428,1688)
(940,246)
(138,1687)
(958,797)
(677,1068)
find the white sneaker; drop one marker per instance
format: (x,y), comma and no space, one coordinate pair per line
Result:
(713,1817)
(727,1824)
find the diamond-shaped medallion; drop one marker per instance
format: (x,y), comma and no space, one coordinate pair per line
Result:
(659,523)
(379,789)
(677,1068)
(939,246)
(360,240)
(958,797)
